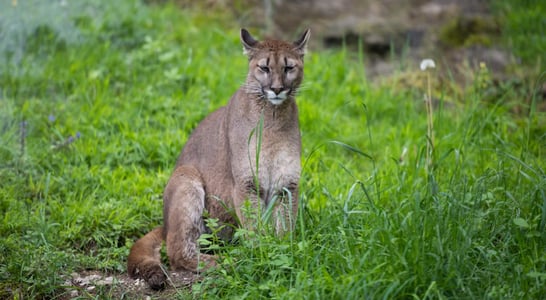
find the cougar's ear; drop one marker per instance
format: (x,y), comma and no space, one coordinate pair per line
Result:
(248,42)
(301,43)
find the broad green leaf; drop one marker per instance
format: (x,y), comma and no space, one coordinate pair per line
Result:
(521,223)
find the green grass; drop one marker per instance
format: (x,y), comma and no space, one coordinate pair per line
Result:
(524,27)
(92,120)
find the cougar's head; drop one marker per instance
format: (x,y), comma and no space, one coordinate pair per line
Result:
(275,67)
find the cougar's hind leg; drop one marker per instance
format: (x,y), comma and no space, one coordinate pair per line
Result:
(184,202)
(144,260)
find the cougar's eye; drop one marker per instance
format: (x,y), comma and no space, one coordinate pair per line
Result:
(288,68)
(264,69)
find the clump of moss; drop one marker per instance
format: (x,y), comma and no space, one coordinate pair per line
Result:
(464,31)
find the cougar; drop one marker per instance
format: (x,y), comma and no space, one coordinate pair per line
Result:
(248,150)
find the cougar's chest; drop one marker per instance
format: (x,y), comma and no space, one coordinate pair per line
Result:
(278,168)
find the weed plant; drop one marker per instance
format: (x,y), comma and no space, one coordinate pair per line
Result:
(91,124)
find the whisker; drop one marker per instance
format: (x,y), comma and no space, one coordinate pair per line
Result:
(253,88)
(304,87)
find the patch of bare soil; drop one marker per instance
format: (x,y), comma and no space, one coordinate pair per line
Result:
(90,284)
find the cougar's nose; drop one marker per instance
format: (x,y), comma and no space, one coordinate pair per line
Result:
(277,90)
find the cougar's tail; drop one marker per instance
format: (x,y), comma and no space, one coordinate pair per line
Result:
(144,260)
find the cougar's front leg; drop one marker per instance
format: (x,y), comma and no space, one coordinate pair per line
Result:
(184,202)
(286,208)
(284,204)
(248,190)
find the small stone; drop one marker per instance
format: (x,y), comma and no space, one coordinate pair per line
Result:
(106,281)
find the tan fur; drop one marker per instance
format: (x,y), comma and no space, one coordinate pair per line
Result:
(217,169)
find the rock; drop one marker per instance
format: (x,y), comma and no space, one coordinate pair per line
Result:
(106,281)
(413,28)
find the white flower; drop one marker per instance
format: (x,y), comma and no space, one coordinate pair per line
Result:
(427,63)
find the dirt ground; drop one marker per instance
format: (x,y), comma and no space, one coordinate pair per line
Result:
(89,284)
